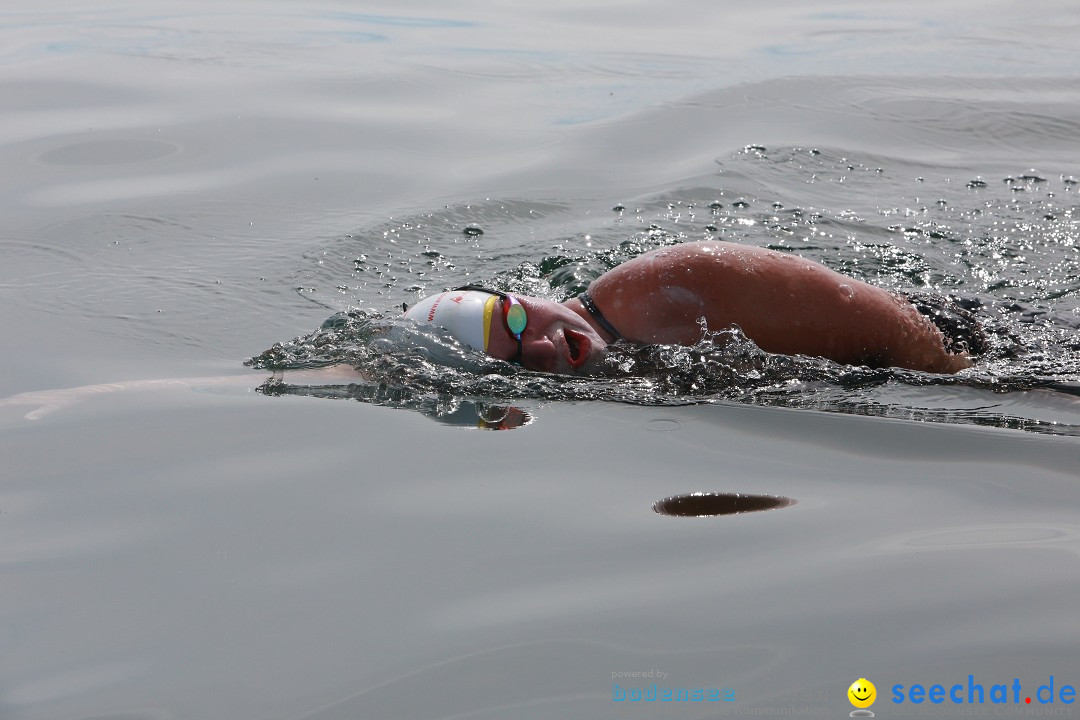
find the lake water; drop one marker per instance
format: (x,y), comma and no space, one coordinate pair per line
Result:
(188,184)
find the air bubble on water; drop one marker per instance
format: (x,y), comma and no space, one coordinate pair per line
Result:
(382,345)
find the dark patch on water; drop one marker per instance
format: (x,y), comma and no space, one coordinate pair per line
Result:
(702,504)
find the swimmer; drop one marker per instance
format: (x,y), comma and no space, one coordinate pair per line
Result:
(784,303)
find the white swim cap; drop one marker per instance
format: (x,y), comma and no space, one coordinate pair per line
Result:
(465,313)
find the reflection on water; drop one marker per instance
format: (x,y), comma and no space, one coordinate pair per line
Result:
(445,408)
(1005,248)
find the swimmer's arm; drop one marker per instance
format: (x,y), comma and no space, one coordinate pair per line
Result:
(44,402)
(784,303)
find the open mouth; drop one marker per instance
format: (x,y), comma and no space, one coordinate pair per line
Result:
(577,348)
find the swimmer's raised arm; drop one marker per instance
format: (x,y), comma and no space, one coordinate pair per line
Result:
(784,303)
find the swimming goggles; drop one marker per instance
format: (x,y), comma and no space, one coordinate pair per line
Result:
(513,314)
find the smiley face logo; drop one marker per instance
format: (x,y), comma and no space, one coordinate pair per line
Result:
(862,693)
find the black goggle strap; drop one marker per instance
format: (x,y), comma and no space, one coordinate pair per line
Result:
(481,288)
(478,288)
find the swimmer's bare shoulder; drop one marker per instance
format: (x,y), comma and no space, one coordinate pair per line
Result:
(784,303)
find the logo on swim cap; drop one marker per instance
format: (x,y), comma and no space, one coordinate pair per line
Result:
(465,313)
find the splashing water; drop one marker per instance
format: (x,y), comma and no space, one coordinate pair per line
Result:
(1005,248)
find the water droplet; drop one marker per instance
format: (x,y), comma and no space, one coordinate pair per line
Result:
(846,291)
(619,208)
(976,183)
(472,230)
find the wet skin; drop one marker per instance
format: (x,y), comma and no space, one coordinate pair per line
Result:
(557,339)
(784,303)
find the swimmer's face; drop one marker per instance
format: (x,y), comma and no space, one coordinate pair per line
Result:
(555,339)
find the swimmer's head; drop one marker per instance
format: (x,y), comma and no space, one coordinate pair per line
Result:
(466,314)
(540,334)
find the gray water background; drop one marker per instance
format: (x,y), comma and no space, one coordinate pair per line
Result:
(186,184)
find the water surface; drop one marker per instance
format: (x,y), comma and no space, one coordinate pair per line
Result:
(187,185)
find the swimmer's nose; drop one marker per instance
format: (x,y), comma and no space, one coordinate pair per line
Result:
(538,353)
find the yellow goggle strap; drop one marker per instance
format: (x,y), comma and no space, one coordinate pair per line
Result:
(489,310)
